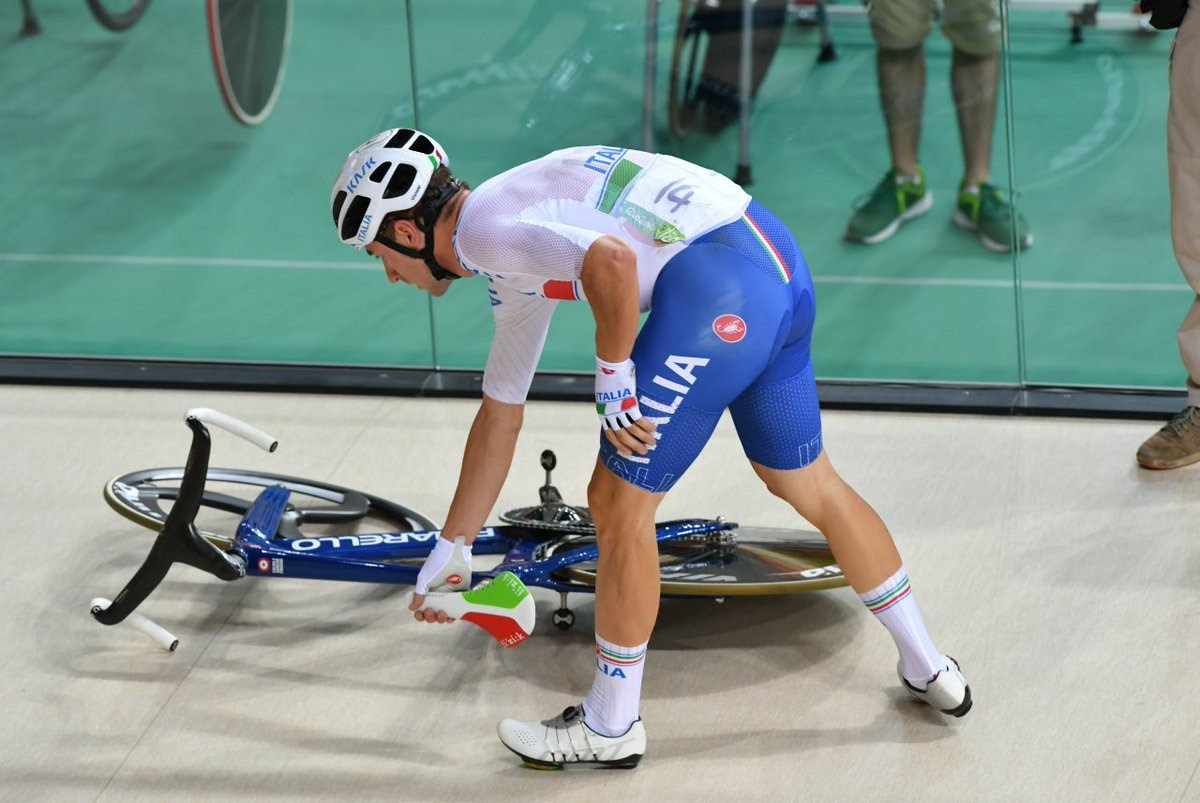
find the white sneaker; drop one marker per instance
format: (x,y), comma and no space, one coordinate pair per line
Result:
(948,692)
(567,739)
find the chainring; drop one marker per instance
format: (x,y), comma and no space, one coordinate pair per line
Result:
(552,517)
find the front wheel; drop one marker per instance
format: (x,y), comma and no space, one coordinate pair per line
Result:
(118,15)
(315,509)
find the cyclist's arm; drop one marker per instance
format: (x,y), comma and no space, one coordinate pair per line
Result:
(521,325)
(610,284)
(486,461)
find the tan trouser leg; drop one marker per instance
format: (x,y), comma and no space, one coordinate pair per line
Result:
(1183,168)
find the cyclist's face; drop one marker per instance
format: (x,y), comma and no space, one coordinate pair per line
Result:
(409,270)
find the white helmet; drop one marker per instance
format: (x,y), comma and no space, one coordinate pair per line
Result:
(388,173)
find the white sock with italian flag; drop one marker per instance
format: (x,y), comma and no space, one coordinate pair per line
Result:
(895,606)
(612,705)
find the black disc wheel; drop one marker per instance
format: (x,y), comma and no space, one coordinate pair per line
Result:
(315,509)
(747,561)
(118,15)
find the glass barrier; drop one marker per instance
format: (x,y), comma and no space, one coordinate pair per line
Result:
(514,82)
(929,304)
(143,221)
(1101,293)
(914,299)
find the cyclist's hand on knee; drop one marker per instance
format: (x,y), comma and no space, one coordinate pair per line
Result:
(616,394)
(617,406)
(636,439)
(448,568)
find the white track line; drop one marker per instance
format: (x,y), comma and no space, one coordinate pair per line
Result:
(370,265)
(100,259)
(1144,287)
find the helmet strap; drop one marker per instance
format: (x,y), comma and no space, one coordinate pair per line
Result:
(427,223)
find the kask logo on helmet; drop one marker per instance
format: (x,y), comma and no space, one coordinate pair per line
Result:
(360,174)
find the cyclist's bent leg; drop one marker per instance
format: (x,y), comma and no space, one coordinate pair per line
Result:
(627,602)
(864,549)
(627,595)
(719,313)
(778,421)
(714,323)
(606,729)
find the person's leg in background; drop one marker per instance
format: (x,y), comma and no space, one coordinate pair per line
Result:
(973,81)
(901,76)
(1178,443)
(973,27)
(899,28)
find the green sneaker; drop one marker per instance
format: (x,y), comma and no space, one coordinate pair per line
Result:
(892,202)
(991,216)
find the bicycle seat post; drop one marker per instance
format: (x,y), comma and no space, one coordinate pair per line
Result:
(29,24)
(548,493)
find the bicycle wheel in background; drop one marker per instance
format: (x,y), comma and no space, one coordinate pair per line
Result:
(249,41)
(686,55)
(118,15)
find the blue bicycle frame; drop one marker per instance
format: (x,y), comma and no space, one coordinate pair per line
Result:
(258,550)
(367,557)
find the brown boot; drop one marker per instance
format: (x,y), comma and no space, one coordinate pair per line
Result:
(1177,444)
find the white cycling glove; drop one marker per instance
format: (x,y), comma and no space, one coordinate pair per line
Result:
(616,394)
(447,567)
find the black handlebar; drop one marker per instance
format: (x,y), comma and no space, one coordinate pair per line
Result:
(178,541)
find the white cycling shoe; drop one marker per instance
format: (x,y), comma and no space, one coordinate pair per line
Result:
(948,692)
(566,739)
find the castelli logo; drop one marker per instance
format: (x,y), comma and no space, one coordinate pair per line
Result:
(454,579)
(729,328)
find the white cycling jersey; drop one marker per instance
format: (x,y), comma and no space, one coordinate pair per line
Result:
(527,231)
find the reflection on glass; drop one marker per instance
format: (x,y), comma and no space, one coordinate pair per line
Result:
(1101,295)
(142,221)
(929,304)
(844,147)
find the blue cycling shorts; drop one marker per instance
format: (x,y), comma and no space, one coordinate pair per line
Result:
(730,327)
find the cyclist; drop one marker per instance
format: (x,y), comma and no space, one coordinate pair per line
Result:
(731,311)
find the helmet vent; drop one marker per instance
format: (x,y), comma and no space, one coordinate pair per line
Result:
(338,200)
(422,145)
(354,216)
(400,138)
(381,171)
(402,181)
